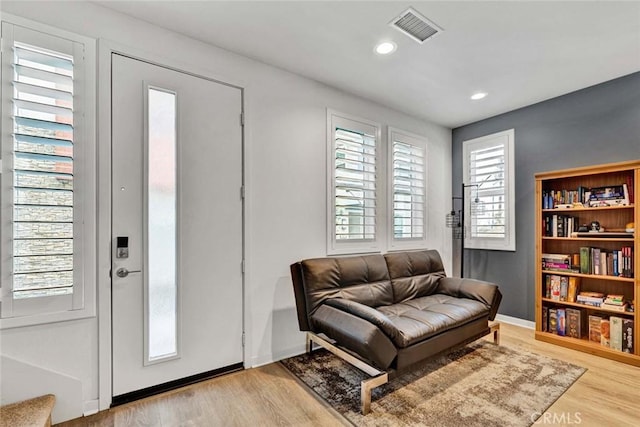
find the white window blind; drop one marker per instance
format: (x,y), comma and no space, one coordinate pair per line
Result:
(43,172)
(353,168)
(355,185)
(486,171)
(488,174)
(408,190)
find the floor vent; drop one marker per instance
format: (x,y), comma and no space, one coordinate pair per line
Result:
(415,26)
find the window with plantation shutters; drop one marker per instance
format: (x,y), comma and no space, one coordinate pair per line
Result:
(407,195)
(489,179)
(42,266)
(353,167)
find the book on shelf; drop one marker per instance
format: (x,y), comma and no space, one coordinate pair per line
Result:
(595,301)
(605,332)
(555,287)
(574,288)
(611,307)
(593,294)
(547,286)
(545,319)
(562,321)
(595,261)
(615,324)
(594,328)
(564,288)
(585,265)
(627,261)
(614,299)
(554,266)
(574,323)
(627,335)
(553,320)
(629,183)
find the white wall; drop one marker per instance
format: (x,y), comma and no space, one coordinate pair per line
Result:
(285,172)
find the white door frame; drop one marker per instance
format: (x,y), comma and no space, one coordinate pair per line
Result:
(103,280)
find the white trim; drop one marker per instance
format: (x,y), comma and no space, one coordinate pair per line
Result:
(83,300)
(394,244)
(343,248)
(105,50)
(90,407)
(508,243)
(104,225)
(516,321)
(296,350)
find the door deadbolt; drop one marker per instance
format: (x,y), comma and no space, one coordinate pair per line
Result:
(122,247)
(123,272)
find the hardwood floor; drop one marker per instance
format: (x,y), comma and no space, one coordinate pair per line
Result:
(608,394)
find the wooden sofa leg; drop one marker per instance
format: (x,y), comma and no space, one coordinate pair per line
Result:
(365,390)
(495,328)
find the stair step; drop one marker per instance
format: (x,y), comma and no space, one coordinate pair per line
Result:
(28,413)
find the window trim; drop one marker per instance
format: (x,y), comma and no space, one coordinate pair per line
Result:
(335,247)
(85,169)
(422,142)
(508,243)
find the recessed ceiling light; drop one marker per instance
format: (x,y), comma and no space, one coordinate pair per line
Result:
(386,48)
(478,95)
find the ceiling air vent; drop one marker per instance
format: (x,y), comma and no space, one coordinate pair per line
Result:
(415,26)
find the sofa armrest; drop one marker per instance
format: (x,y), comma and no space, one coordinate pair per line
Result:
(485,292)
(367,313)
(355,334)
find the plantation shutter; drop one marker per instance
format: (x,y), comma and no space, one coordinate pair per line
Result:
(43,172)
(487,195)
(408,190)
(354,185)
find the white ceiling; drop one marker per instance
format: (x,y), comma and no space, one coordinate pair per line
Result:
(519,52)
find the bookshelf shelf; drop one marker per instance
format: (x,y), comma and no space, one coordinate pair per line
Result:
(590,276)
(588,307)
(595,208)
(589,239)
(587,346)
(618,253)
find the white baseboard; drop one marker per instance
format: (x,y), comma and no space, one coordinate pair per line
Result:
(274,357)
(90,407)
(516,321)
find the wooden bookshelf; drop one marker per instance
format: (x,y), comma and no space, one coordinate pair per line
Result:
(612,218)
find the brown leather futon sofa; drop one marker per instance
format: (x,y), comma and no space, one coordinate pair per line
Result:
(384,313)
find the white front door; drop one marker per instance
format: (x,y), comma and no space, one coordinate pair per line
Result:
(177,226)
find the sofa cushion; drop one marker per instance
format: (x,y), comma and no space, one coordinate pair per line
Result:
(424,317)
(414,274)
(364,279)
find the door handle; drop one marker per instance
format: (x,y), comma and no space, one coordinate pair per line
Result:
(123,272)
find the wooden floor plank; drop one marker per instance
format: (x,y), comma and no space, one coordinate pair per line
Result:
(608,394)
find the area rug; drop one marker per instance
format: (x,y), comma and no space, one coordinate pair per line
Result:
(481,384)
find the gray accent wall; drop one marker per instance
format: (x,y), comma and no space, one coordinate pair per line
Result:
(599,124)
